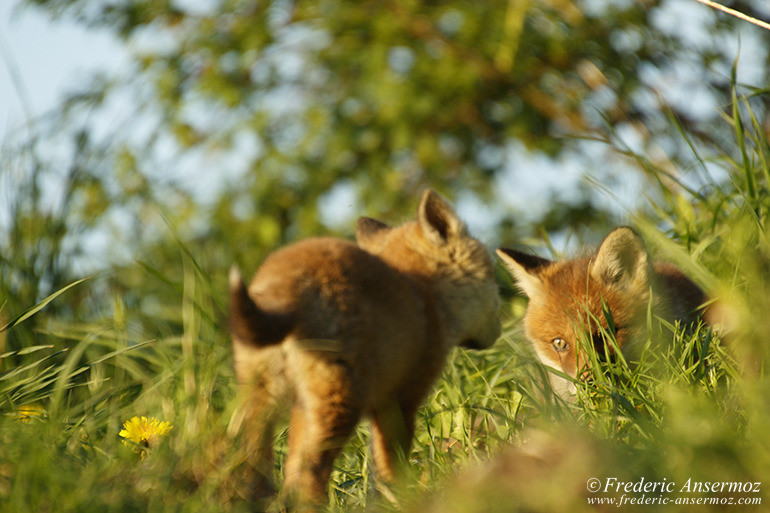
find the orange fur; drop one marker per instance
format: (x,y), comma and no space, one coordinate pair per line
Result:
(335,331)
(569,297)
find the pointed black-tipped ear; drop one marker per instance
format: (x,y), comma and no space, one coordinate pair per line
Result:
(525,269)
(622,260)
(437,219)
(367,228)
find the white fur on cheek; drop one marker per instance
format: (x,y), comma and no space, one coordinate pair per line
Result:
(563,387)
(547,358)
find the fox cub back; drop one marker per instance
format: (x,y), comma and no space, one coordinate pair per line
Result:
(574,296)
(334,331)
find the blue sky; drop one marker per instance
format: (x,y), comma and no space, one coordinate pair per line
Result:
(49,58)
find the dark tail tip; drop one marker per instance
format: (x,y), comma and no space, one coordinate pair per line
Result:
(248,323)
(244,314)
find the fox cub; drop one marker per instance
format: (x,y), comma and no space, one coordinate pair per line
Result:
(570,297)
(335,331)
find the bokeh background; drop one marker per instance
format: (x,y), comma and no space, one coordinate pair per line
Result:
(252,124)
(149,144)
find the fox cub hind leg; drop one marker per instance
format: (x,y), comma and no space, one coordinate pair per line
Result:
(323,416)
(334,331)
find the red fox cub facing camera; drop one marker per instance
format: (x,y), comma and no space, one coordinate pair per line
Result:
(335,331)
(570,297)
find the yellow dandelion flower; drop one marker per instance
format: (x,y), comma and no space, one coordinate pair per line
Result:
(143,431)
(30,411)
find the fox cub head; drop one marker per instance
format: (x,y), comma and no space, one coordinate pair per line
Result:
(455,268)
(585,297)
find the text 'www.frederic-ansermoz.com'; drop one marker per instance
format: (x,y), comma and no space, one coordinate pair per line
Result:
(610,491)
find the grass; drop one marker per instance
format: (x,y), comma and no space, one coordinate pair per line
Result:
(491,436)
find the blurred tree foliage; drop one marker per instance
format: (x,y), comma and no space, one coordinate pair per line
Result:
(382,98)
(276,111)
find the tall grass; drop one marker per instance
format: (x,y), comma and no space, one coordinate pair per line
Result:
(692,409)
(697,408)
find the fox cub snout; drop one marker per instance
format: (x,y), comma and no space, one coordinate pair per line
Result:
(574,296)
(335,331)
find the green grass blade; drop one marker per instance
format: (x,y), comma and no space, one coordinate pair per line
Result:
(42,304)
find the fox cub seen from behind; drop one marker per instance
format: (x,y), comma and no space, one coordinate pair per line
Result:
(570,297)
(334,331)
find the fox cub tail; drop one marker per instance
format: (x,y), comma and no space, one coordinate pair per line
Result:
(250,325)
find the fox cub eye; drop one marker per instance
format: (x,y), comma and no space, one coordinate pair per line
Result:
(560,344)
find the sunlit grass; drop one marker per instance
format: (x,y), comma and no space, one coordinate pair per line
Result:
(697,407)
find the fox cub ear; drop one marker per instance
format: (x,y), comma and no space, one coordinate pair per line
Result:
(622,261)
(369,230)
(525,269)
(437,219)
